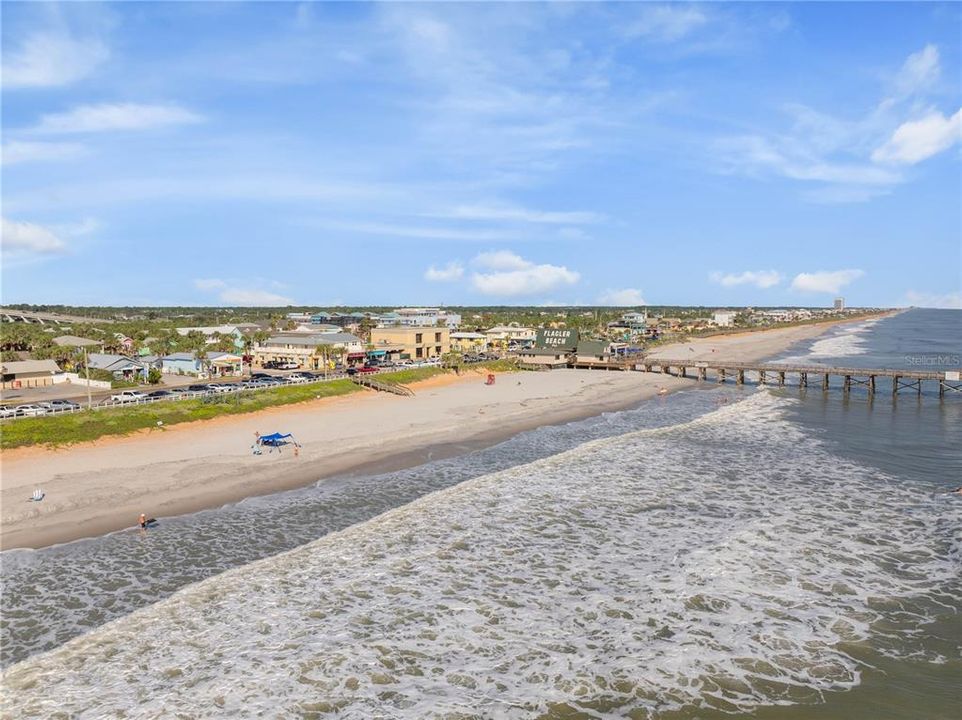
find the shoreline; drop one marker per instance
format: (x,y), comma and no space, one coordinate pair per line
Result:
(100,487)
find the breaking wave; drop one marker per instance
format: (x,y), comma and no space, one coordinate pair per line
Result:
(726,562)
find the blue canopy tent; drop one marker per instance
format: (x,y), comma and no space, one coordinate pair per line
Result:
(277,440)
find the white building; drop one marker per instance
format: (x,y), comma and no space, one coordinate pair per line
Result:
(724,318)
(505,335)
(425,317)
(302,348)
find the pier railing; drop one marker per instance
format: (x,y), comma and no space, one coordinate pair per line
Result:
(948,381)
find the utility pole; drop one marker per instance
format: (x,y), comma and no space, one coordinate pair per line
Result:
(87,373)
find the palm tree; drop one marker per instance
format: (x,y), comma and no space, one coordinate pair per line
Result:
(323,351)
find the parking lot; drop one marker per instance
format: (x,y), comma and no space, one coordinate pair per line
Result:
(152,394)
(66,398)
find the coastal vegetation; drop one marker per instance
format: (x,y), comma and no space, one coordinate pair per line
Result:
(66,429)
(87,425)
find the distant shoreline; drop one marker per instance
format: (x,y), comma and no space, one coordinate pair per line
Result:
(100,487)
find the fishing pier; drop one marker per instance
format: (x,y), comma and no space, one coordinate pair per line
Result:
(826,376)
(873,380)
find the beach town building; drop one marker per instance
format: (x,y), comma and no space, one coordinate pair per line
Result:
(309,351)
(299,317)
(341,320)
(552,348)
(724,318)
(629,325)
(215,364)
(602,351)
(212,333)
(121,341)
(122,367)
(781,315)
(839,305)
(468,341)
(422,317)
(28,373)
(510,336)
(544,357)
(409,342)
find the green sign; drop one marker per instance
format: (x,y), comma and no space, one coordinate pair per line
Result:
(550,339)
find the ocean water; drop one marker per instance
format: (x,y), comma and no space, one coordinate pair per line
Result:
(772,553)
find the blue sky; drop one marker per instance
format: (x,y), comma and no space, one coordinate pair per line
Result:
(275,153)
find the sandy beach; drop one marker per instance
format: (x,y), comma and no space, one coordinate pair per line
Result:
(103,486)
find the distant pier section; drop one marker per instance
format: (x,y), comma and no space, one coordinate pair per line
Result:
(10,315)
(871,379)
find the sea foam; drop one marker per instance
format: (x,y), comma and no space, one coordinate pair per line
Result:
(726,562)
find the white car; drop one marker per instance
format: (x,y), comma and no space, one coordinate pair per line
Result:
(8,411)
(226,388)
(288,366)
(128,396)
(29,410)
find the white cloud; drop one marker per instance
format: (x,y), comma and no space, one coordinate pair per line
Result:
(825,281)
(209,283)
(796,161)
(24,237)
(512,275)
(235,293)
(758,278)
(919,72)
(115,116)
(666,23)
(951,300)
(449,273)
(49,59)
(622,298)
(918,140)
(239,296)
(501,260)
(15,152)
(420,232)
(508,212)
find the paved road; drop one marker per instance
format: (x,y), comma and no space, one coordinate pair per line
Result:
(78,393)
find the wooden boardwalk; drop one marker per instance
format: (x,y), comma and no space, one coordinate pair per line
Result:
(370,382)
(776,373)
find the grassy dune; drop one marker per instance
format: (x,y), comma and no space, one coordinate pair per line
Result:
(87,425)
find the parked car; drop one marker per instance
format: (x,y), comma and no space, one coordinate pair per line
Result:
(288,366)
(351,371)
(179,391)
(271,365)
(255,376)
(30,410)
(60,405)
(222,387)
(127,396)
(8,411)
(368,369)
(199,388)
(160,394)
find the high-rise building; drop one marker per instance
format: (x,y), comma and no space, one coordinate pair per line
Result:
(839,303)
